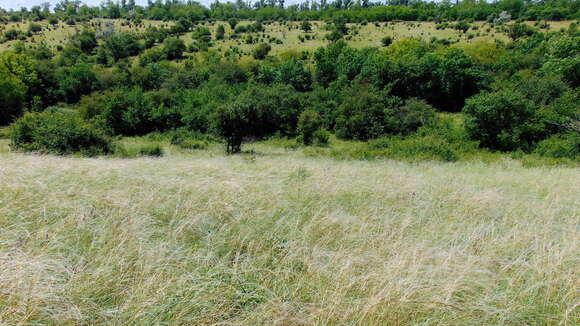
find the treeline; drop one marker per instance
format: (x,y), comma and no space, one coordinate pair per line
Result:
(353,11)
(517,96)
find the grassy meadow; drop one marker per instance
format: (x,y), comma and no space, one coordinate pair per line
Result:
(278,237)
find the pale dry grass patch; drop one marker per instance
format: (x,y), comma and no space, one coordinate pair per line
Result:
(283,239)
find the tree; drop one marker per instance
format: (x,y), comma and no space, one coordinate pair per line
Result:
(259,111)
(75,81)
(500,120)
(12,95)
(122,45)
(87,41)
(308,123)
(230,122)
(232,22)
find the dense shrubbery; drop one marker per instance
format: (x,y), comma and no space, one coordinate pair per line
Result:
(58,132)
(519,116)
(520,95)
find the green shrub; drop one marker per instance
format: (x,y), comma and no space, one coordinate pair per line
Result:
(151,150)
(173,48)
(387,40)
(189,139)
(560,146)
(58,132)
(414,148)
(500,120)
(220,32)
(321,137)
(261,51)
(193,144)
(408,117)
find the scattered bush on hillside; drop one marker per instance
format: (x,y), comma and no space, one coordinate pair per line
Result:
(261,51)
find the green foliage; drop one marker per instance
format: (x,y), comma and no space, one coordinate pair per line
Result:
(220,32)
(366,114)
(518,117)
(12,96)
(154,150)
(387,40)
(152,55)
(232,22)
(413,149)
(11,34)
(257,112)
(306,26)
(173,48)
(87,41)
(122,45)
(407,118)
(500,120)
(202,34)
(308,123)
(76,81)
(34,28)
(560,146)
(293,72)
(132,112)
(517,30)
(261,51)
(59,132)
(321,137)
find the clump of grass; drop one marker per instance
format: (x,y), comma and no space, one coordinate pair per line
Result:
(151,150)
(133,148)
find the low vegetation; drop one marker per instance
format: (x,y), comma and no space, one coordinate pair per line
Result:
(402,164)
(199,237)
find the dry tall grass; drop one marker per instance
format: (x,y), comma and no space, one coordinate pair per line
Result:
(205,239)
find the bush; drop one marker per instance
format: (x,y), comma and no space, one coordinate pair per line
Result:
(188,139)
(306,26)
(560,146)
(258,112)
(409,117)
(152,55)
(321,137)
(387,40)
(76,81)
(151,150)
(87,41)
(261,51)
(193,144)
(123,45)
(34,28)
(499,120)
(173,48)
(220,32)
(59,132)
